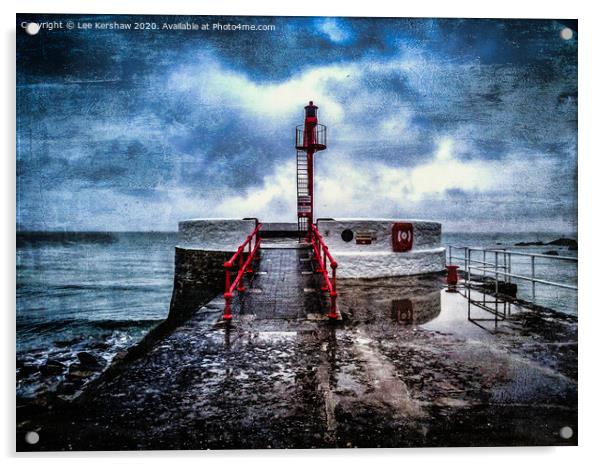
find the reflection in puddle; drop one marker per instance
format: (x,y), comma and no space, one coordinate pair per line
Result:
(402,311)
(496,309)
(399,300)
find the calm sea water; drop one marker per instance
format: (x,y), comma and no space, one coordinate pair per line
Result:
(95,293)
(103,292)
(546,268)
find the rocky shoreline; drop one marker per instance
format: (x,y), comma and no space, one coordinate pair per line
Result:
(569,243)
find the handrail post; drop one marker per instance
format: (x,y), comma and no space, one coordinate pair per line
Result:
(228,306)
(324,287)
(484,263)
(496,278)
(227,294)
(317,251)
(533,278)
(334,266)
(333,305)
(469,264)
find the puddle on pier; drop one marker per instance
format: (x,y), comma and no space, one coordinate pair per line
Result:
(400,300)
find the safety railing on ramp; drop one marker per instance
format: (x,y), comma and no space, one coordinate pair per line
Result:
(321,254)
(244,266)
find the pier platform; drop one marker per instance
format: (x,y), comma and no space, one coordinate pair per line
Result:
(405,367)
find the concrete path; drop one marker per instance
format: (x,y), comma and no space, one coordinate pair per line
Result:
(284,288)
(404,368)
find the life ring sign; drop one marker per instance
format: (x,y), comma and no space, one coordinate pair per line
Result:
(402,236)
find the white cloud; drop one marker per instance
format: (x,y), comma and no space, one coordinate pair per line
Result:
(335,31)
(375,186)
(273,201)
(214,85)
(369,189)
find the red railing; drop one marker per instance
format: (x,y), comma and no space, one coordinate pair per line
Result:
(244,266)
(321,253)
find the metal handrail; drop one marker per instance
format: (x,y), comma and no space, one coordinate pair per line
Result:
(536,280)
(243,267)
(475,260)
(515,253)
(321,253)
(318,137)
(543,256)
(505,269)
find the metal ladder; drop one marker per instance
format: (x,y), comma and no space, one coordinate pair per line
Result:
(303,197)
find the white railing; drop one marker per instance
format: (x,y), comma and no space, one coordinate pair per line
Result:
(497,263)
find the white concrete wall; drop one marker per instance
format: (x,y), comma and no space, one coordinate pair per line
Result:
(389,264)
(378,259)
(427,235)
(214,234)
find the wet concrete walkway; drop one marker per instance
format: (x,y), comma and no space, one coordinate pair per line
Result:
(404,368)
(282,288)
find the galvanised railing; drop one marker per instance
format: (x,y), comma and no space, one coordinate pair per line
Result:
(498,264)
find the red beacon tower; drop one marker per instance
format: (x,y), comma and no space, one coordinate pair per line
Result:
(310,138)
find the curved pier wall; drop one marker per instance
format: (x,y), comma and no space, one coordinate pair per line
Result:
(203,247)
(214,234)
(377,258)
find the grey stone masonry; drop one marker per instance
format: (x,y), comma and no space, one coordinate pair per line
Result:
(198,278)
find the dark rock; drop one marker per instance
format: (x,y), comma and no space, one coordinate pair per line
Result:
(571,243)
(53,367)
(66,343)
(77,371)
(56,363)
(103,346)
(26,370)
(531,243)
(551,253)
(88,361)
(70,387)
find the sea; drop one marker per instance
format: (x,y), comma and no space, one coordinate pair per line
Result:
(102,292)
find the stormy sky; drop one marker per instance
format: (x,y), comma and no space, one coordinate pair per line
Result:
(469,122)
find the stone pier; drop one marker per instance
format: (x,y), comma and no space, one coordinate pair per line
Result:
(408,365)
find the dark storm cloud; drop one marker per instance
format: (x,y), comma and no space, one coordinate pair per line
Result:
(143,120)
